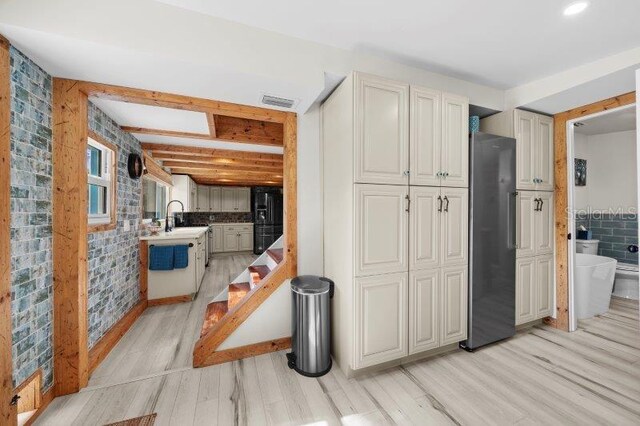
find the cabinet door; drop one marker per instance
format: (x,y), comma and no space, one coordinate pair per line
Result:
(424,227)
(381,131)
(231,241)
(228,196)
(544,163)
(544,286)
(243,202)
(544,226)
(203,198)
(245,241)
(218,238)
(380,319)
(525,290)
(425,137)
(454,224)
(423,310)
(381,228)
(525,223)
(524,130)
(215,199)
(453,305)
(455,140)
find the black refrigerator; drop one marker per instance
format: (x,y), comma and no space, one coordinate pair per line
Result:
(492,243)
(267,208)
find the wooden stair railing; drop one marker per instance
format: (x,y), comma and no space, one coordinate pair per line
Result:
(224,316)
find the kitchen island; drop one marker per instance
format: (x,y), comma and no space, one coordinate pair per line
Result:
(179,284)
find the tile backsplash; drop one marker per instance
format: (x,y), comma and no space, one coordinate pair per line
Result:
(192,218)
(616,232)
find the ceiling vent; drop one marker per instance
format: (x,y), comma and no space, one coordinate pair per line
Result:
(277,101)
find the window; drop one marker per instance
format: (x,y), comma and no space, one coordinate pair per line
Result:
(101,182)
(154,199)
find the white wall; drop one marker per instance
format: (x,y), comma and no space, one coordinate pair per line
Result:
(611,171)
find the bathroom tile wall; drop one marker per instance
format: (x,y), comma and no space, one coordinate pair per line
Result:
(31,222)
(113,283)
(616,232)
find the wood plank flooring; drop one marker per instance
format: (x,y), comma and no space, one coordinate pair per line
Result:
(540,376)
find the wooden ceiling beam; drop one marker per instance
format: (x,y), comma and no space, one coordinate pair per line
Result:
(222,167)
(211,152)
(216,174)
(230,135)
(225,182)
(161,132)
(211,121)
(187,103)
(231,162)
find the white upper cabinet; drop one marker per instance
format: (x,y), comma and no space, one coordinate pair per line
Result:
(381,222)
(424,231)
(203,198)
(524,123)
(455,140)
(381,131)
(423,310)
(534,145)
(380,319)
(237,200)
(228,199)
(439,138)
(543,153)
(215,199)
(425,137)
(455,225)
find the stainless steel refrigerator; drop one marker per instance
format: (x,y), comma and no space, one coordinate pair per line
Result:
(492,244)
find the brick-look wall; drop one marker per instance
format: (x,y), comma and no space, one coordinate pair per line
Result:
(31,210)
(113,255)
(616,232)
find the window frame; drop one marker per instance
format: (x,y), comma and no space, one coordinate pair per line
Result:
(104,222)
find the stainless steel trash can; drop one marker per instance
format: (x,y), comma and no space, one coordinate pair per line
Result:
(311,325)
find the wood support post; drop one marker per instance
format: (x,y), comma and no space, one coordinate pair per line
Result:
(70,131)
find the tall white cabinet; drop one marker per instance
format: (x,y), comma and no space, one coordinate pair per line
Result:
(535,208)
(396,218)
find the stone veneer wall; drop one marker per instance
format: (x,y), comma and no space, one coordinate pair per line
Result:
(113,255)
(616,232)
(31,222)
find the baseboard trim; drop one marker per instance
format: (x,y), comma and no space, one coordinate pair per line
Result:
(170,300)
(101,349)
(232,354)
(45,400)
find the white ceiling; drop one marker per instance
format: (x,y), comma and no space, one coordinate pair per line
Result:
(503,43)
(617,121)
(153,117)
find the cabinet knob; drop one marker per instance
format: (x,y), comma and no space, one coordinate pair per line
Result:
(406,172)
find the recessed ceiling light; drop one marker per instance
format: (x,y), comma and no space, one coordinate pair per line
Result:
(575,8)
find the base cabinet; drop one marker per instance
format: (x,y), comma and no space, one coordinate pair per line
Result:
(534,288)
(237,237)
(381,319)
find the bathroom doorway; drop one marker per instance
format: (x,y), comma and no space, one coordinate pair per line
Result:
(602,174)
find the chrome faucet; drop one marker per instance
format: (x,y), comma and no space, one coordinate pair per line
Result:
(167,228)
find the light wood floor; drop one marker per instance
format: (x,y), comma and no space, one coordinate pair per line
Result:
(541,376)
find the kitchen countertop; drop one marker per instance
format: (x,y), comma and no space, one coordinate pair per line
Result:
(185,233)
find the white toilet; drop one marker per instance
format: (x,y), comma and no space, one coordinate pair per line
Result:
(587,246)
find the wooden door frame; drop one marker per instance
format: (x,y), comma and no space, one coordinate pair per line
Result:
(8,413)
(561,321)
(70,130)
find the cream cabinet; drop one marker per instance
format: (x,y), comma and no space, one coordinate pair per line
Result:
(381,130)
(184,190)
(218,238)
(534,146)
(202,198)
(534,288)
(439,140)
(438,234)
(237,237)
(535,223)
(215,199)
(380,319)
(381,229)
(395,219)
(235,199)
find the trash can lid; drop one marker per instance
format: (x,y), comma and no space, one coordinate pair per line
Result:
(310,284)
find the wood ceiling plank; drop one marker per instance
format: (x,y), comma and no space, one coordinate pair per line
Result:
(228,175)
(239,130)
(211,121)
(187,103)
(221,167)
(238,182)
(161,132)
(211,152)
(246,134)
(230,162)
